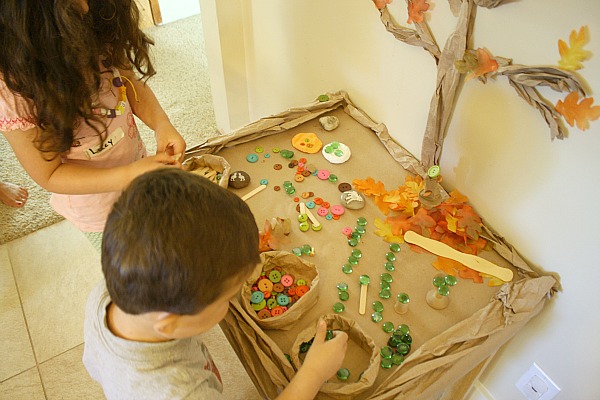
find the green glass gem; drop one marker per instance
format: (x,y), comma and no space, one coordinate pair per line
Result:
(355,235)
(361,221)
(406,339)
(394,340)
(403,329)
(343,374)
(403,298)
(288,358)
(361,230)
(450,280)
(388,327)
(287,184)
(384,285)
(357,253)
(376,317)
(390,256)
(329,335)
(353,242)
(397,359)
(306,249)
(389,266)
(386,352)
(443,290)
(385,294)
(335,145)
(343,295)
(353,260)
(347,268)
(338,307)
(290,190)
(342,286)
(287,154)
(377,306)
(439,281)
(386,363)
(364,279)
(395,247)
(386,277)
(297,251)
(338,153)
(304,347)
(332,178)
(328,149)
(403,348)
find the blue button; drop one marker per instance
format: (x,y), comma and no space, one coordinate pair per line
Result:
(252,158)
(310,204)
(264,182)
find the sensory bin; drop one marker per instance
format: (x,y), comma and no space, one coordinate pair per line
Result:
(445,344)
(284,304)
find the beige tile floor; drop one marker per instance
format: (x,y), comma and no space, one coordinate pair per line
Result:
(45,279)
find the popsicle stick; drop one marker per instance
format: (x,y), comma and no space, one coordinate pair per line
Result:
(474,262)
(253,192)
(362,306)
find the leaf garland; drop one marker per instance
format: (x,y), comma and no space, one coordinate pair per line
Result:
(575,112)
(571,57)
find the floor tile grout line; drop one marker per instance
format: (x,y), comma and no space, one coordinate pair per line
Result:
(37,365)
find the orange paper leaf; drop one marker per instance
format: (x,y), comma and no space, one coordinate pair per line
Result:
(485,63)
(385,231)
(581,113)
(469,273)
(369,186)
(416,9)
(571,57)
(380,4)
(448,265)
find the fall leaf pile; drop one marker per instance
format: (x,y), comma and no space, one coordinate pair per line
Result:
(453,222)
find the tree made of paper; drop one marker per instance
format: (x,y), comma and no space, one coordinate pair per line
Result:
(456,60)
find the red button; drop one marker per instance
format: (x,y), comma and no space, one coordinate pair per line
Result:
(277,311)
(301,291)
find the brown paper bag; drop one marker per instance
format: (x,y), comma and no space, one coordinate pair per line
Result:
(334,387)
(296,266)
(208,165)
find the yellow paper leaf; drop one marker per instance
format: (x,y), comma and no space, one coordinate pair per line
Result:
(571,57)
(385,231)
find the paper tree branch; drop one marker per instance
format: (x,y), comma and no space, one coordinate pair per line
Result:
(420,37)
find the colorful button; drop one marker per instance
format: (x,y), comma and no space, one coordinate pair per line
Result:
(298,177)
(287,280)
(344,187)
(322,211)
(264,182)
(265,285)
(258,149)
(252,158)
(278,287)
(337,210)
(300,282)
(283,300)
(302,290)
(277,166)
(259,306)
(310,205)
(329,217)
(275,149)
(304,226)
(317,228)
(264,314)
(257,297)
(347,231)
(274,276)
(271,304)
(322,174)
(302,218)
(277,311)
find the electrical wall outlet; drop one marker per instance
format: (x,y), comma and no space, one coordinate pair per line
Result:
(536,385)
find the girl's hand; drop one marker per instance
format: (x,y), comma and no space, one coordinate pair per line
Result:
(169,141)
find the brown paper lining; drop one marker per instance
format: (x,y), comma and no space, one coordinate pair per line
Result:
(216,163)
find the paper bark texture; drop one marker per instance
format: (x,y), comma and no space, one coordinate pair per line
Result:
(447,345)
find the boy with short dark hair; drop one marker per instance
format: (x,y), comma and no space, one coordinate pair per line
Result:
(176,249)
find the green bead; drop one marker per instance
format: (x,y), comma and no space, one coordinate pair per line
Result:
(347,268)
(355,235)
(403,298)
(353,260)
(385,294)
(395,247)
(357,253)
(406,339)
(304,347)
(335,144)
(361,221)
(389,266)
(290,190)
(287,184)
(377,306)
(403,329)
(439,281)
(388,327)
(364,279)
(343,374)
(390,256)
(394,340)
(332,178)
(343,295)
(288,358)
(450,280)
(338,307)
(353,242)
(376,317)
(386,352)
(386,277)
(397,359)
(443,290)
(386,363)
(342,286)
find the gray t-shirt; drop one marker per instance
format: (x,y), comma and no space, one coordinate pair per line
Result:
(178,369)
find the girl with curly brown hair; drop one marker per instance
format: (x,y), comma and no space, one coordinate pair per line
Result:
(72,75)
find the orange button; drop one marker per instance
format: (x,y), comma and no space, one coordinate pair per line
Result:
(318,201)
(301,291)
(267,294)
(264,313)
(291,292)
(298,177)
(302,160)
(278,287)
(265,285)
(277,311)
(305,195)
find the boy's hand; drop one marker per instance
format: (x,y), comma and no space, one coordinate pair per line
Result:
(325,357)
(150,163)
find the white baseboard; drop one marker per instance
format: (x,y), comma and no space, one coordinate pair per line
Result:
(478,392)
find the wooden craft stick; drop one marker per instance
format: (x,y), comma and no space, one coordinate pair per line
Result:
(312,218)
(474,262)
(253,192)
(362,305)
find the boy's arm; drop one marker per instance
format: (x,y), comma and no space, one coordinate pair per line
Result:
(147,108)
(57,177)
(322,361)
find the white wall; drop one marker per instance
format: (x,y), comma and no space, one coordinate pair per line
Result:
(542,196)
(172,10)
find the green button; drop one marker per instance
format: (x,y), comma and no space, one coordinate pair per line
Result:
(304,226)
(287,154)
(271,303)
(258,149)
(252,158)
(302,218)
(389,266)
(388,327)
(317,228)
(395,247)
(376,317)
(390,256)
(342,286)
(259,306)
(433,171)
(343,374)
(347,268)
(377,306)
(323,98)
(386,352)
(343,295)
(275,149)
(274,276)
(300,282)
(364,279)
(338,307)
(386,277)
